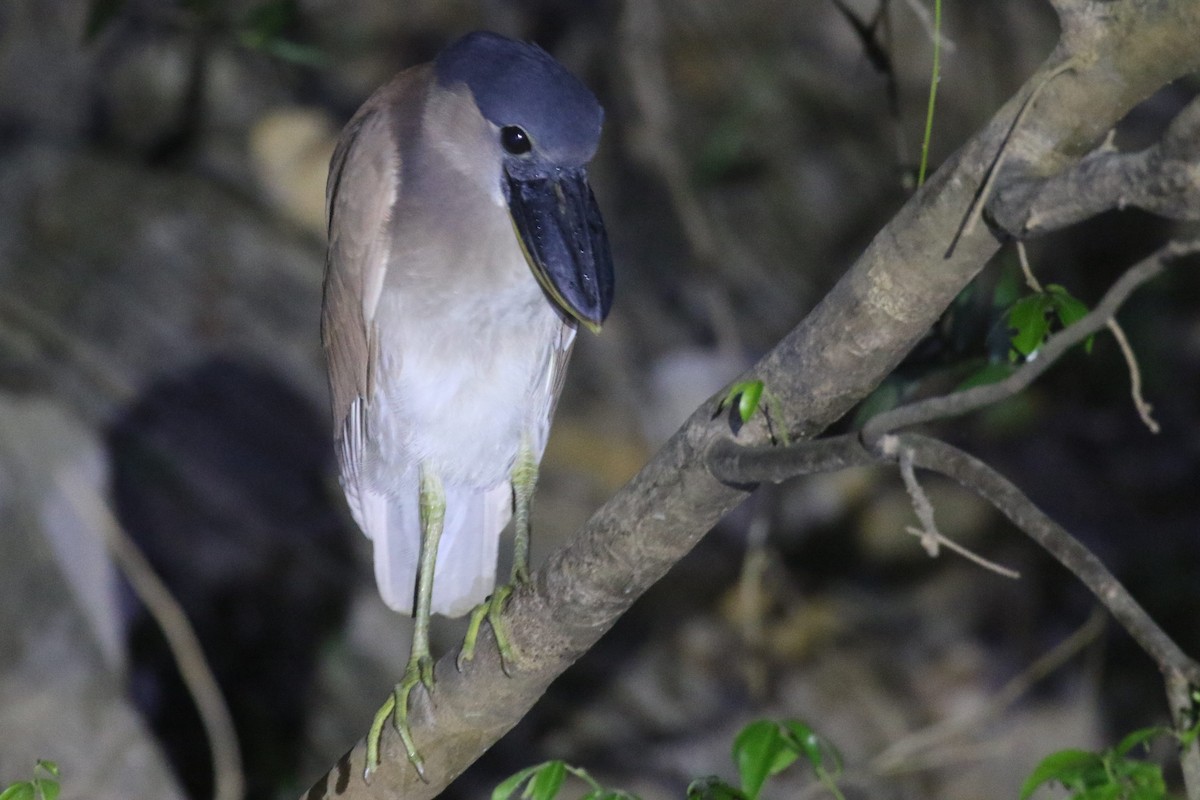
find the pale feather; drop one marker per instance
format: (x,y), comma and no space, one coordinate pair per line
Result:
(443,352)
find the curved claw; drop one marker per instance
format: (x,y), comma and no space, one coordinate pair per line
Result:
(490,610)
(419,672)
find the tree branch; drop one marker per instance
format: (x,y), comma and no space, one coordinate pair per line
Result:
(836,356)
(734,463)
(1163,179)
(959,403)
(977,476)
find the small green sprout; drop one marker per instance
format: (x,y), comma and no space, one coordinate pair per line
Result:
(43,786)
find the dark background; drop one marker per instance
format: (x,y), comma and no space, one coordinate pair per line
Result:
(162,168)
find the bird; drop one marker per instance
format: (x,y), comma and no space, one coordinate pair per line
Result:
(465,249)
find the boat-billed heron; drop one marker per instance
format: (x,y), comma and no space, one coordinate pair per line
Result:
(465,247)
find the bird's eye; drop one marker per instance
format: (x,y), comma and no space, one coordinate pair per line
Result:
(515,140)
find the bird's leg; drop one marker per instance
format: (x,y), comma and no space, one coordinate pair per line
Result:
(524,481)
(420,662)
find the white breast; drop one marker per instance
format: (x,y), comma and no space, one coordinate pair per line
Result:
(464,374)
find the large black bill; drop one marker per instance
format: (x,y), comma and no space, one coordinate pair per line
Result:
(560,228)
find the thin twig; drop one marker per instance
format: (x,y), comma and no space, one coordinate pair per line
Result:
(980,396)
(934,80)
(228,778)
(924,17)
(1182,698)
(1030,279)
(928,532)
(1144,409)
(976,210)
(932,538)
(977,476)
(941,539)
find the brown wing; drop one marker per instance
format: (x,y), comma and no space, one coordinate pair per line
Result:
(364,182)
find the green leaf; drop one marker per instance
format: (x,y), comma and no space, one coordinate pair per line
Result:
(1027,319)
(813,746)
(746,394)
(47,788)
(1103,791)
(1139,737)
(760,751)
(1189,736)
(546,783)
(50,767)
(1142,775)
(1069,310)
(805,741)
(711,787)
(1069,767)
(749,402)
(509,785)
(19,791)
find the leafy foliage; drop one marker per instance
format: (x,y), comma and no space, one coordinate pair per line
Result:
(761,750)
(1031,319)
(746,395)
(543,781)
(43,785)
(1110,775)
(766,748)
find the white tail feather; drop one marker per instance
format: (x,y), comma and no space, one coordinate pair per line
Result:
(466,561)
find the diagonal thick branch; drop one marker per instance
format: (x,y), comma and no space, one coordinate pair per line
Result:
(830,361)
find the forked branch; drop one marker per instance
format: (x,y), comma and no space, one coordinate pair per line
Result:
(878,443)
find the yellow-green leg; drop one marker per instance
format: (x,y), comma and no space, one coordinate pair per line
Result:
(420,662)
(524,481)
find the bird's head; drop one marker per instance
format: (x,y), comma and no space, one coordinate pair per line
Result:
(546,125)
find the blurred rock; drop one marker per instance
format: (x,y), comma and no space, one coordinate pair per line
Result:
(62,696)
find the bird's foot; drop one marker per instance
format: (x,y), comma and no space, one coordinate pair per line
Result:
(419,672)
(491,610)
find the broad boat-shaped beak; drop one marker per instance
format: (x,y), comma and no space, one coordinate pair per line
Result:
(559,226)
